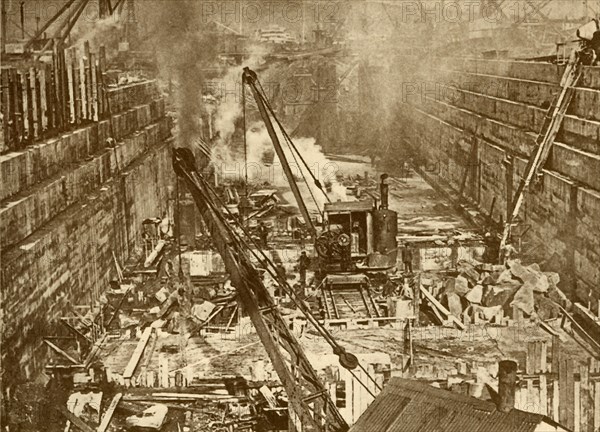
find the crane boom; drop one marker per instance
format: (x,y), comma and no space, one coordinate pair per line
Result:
(311,408)
(249,77)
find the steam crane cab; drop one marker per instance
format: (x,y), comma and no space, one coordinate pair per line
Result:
(358,236)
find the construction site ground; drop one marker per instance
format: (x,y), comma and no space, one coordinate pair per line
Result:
(439,351)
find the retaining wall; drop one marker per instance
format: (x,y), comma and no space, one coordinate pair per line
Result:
(68,204)
(479,119)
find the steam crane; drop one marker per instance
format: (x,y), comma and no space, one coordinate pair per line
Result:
(356,232)
(311,408)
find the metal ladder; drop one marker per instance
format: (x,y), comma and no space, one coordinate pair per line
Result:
(552,123)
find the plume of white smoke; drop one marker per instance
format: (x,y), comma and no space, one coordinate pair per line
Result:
(259,171)
(229,110)
(106,31)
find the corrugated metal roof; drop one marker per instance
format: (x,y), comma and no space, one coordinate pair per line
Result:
(413,406)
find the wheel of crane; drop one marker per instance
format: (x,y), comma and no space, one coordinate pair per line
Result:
(344,240)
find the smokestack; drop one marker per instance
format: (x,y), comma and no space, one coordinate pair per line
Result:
(383,189)
(507,382)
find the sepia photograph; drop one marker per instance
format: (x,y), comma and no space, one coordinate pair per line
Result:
(300,216)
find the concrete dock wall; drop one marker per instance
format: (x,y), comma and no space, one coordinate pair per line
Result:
(480,119)
(68,204)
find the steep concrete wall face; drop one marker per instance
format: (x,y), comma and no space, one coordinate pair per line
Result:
(68,204)
(479,119)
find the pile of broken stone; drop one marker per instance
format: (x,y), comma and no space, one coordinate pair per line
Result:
(492,293)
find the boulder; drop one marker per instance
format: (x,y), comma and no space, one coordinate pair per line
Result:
(504,276)
(461,285)
(498,295)
(553,278)
(491,279)
(524,299)
(203,310)
(454,304)
(449,285)
(558,297)
(485,267)
(537,281)
(518,270)
(475,295)
(468,271)
(546,308)
(486,313)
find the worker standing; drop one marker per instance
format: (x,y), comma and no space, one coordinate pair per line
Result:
(407,257)
(282,276)
(263,233)
(303,264)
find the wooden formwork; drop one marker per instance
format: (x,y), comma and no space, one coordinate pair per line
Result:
(564,390)
(46,99)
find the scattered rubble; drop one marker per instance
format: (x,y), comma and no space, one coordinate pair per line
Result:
(492,293)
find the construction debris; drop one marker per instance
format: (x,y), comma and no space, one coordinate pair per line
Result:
(482,292)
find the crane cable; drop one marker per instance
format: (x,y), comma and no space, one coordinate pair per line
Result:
(266,103)
(292,146)
(239,257)
(289,140)
(245,141)
(289,291)
(293,155)
(282,283)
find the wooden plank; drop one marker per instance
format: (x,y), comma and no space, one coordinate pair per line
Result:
(94,351)
(12,83)
(35,120)
(555,353)
(50,96)
(57,89)
(544,356)
(109,413)
(27,107)
(94,84)
(82,89)
(556,401)
(362,295)
(333,303)
(577,406)
(570,393)
(585,396)
(61,352)
(531,396)
(137,354)
(537,353)
(578,327)
(529,362)
(88,80)
(64,86)
(43,100)
(70,84)
(74,419)
(76,86)
(325,304)
(445,311)
(597,405)
(5,107)
(20,111)
(101,82)
(562,383)
(543,395)
(373,303)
